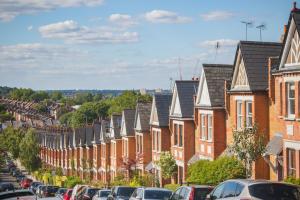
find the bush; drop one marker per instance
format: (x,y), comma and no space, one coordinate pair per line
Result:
(292,180)
(172,187)
(214,172)
(72,181)
(120,180)
(145,181)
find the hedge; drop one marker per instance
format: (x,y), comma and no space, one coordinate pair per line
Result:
(172,187)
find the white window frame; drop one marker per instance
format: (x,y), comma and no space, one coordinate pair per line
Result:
(180,135)
(239,114)
(249,123)
(154,140)
(289,99)
(209,127)
(203,127)
(290,168)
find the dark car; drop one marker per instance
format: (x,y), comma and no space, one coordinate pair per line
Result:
(49,191)
(18,194)
(121,192)
(60,192)
(255,189)
(34,186)
(6,187)
(88,193)
(151,193)
(196,192)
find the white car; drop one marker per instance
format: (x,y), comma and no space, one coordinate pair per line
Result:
(101,195)
(151,193)
(78,189)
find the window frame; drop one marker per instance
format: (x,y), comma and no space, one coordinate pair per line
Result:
(180,135)
(175,134)
(239,114)
(289,99)
(249,115)
(209,127)
(203,127)
(292,161)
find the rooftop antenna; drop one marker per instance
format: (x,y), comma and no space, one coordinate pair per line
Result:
(195,69)
(247,24)
(261,27)
(171,83)
(217,47)
(179,66)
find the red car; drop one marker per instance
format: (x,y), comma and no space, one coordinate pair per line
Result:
(68,194)
(25,183)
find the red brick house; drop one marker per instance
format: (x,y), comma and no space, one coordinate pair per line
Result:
(283,150)
(104,152)
(182,126)
(128,141)
(115,145)
(96,150)
(142,136)
(210,113)
(160,133)
(247,97)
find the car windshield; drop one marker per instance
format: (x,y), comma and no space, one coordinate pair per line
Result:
(201,193)
(157,194)
(125,191)
(92,192)
(274,191)
(104,193)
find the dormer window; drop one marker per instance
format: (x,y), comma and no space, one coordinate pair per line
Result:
(291,100)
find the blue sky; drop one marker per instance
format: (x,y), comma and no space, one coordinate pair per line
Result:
(124,44)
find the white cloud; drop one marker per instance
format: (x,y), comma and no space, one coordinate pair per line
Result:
(122,20)
(29,28)
(71,32)
(9,9)
(217,15)
(164,16)
(222,43)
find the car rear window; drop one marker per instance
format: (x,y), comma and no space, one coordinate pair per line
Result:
(104,193)
(157,194)
(125,192)
(274,191)
(201,193)
(92,192)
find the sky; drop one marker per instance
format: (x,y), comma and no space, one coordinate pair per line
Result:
(125,44)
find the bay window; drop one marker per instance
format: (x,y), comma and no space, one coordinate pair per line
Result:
(203,128)
(249,114)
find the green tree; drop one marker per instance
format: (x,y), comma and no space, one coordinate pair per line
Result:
(39,96)
(40,107)
(56,96)
(248,145)
(167,165)
(10,140)
(66,118)
(29,154)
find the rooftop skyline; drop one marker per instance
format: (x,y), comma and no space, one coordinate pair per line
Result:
(110,44)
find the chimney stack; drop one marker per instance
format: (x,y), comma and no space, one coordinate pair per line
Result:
(295,9)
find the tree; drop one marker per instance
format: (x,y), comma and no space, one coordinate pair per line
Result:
(56,96)
(39,96)
(40,107)
(167,164)
(248,145)
(29,154)
(66,118)
(10,140)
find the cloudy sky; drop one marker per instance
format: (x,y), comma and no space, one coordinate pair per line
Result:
(124,44)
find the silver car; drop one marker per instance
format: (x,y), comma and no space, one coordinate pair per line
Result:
(151,193)
(101,195)
(254,190)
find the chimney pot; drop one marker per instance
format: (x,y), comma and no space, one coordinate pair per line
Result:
(295,9)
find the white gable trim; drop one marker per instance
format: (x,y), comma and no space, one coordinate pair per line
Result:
(287,44)
(138,123)
(154,113)
(175,103)
(203,98)
(123,125)
(237,73)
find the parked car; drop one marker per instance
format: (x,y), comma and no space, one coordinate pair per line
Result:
(16,172)
(151,193)
(101,195)
(60,192)
(25,183)
(39,190)
(255,189)
(77,191)
(121,192)
(34,185)
(20,177)
(88,193)
(196,192)
(6,187)
(68,194)
(18,194)
(49,191)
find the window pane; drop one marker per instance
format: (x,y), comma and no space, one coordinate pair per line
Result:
(203,127)
(180,135)
(175,134)
(209,134)
(229,190)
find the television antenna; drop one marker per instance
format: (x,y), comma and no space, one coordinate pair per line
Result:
(195,69)
(261,27)
(217,47)
(179,68)
(247,24)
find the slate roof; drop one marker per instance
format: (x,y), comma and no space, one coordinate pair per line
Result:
(115,126)
(255,56)
(162,103)
(143,110)
(186,90)
(128,116)
(104,135)
(215,75)
(96,132)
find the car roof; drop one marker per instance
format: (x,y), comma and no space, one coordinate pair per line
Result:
(257,181)
(156,189)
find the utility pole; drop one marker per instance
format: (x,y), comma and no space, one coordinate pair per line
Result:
(247,24)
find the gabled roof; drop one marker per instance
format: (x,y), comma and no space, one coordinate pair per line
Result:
(160,109)
(183,94)
(104,132)
(115,126)
(213,78)
(142,116)
(255,57)
(96,132)
(127,128)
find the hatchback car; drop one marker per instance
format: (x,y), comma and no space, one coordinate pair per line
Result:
(255,189)
(196,192)
(121,192)
(25,183)
(68,194)
(101,195)
(34,185)
(151,193)
(6,187)
(88,193)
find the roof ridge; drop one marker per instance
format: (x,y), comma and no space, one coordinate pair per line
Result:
(260,42)
(217,65)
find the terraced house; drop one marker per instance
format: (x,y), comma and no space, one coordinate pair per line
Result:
(210,113)
(247,94)
(181,124)
(160,133)
(105,151)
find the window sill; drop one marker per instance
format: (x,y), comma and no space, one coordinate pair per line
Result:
(205,140)
(298,119)
(289,119)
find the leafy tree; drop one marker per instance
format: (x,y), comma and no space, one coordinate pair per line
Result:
(30,149)
(167,164)
(10,140)
(39,96)
(6,117)
(97,97)
(56,96)
(40,107)
(21,94)
(66,118)
(248,145)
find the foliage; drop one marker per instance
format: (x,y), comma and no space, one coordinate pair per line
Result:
(59,171)
(56,95)
(213,172)
(167,164)
(145,180)
(4,90)
(39,96)
(21,94)
(29,151)
(66,118)
(40,107)
(172,187)
(10,140)
(6,117)
(119,180)
(72,181)
(248,145)
(292,180)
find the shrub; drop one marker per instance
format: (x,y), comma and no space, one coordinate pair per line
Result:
(172,187)
(120,180)
(72,181)
(214,172)
(292,180)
